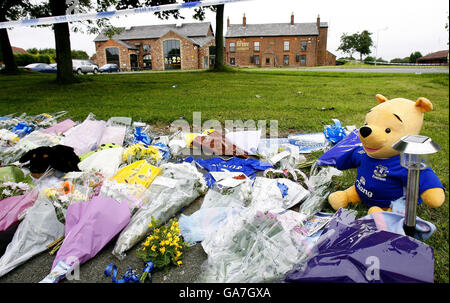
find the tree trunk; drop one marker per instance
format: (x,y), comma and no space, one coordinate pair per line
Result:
(219,64)
(64,72)
(7,53)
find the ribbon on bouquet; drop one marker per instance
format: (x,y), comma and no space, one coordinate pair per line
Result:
(129,276)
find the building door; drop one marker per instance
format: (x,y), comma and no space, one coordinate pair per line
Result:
(172,54)
(133,61)
(205,62)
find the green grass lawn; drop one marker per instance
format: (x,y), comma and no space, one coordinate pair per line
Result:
(296,99)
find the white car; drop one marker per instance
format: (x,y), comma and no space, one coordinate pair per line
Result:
(84,67)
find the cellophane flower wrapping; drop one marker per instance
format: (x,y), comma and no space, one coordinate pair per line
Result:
(276,193)
(89,227)
(34,140)
(355,251)
(105,161)
(252,247)
(178,186)
(86,136)
(8,138)
(11,208)
(39,228)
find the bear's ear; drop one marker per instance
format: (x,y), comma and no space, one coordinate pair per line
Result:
(381,98)
(424,105)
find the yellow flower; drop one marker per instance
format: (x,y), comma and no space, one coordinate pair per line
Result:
(167,242)
(147,243)
(157,230)
(153,248)
(156,237)
(162,249)
(178,254)
(179,263)
(150,238)
(169,235)
(150,225)
(162,243)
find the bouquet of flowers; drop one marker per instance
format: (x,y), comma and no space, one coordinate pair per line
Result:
(164,245)
(10,189)
(251,247)
(178,186)
(35,139)
(138,152)
(8,138)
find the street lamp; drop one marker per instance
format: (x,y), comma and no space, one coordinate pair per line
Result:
(376,48)
(414,151)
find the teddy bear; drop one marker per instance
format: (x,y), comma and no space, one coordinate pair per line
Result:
(380,177)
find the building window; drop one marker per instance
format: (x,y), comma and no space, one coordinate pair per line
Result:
(297,57)
(257,60)
(256,46)
(232,62)
(286,46)
(112,55)
(303,59)
(251,58)
(232,47)
(172,57)
(286,59)
(303,46)
(267,60)
(146,47)
(147,61)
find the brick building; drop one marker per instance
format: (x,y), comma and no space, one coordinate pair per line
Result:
(440,57)
(277,44)
(158,47)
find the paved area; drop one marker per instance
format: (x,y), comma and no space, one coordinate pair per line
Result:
(403,70)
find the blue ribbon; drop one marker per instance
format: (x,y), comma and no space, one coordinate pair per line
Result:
(164,149)
(335,133)
(139,136)
(128,277)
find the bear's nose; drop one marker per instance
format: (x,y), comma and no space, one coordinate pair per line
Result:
(365,131)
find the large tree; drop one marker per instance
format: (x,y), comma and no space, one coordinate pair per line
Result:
(358,42)
(199,14)
(62,30)
(363,42)
(10,10)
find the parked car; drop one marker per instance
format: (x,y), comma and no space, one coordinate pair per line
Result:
(41,67)
(84,67)
(109,68)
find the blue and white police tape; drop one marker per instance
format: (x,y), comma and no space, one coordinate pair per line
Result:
(129,276)
(110,14)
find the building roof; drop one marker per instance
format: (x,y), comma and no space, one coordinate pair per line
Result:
(190,30)
(274,29)
(436,55)
(18,50)
(126,44)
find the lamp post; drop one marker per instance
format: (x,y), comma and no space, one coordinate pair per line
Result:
(414,151)
(376,48)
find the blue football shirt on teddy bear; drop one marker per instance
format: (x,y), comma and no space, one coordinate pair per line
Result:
(381,181)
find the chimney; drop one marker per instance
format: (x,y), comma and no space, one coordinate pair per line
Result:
(244,21)
(318,22)
(292,19)
(228,21)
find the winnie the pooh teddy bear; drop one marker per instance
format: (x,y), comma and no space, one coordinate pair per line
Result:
(380,177)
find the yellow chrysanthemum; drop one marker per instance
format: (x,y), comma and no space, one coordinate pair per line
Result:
(147,243)
(179,263)
(163,249)
(162,243)
(169,235)
(153,248)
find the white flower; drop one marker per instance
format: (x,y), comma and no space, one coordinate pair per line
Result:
(6,192)
(8,184)
(23,186)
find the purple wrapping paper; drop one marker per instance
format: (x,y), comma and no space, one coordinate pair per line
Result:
(89,227)
(85,137)
(60,127)
(12,207)
(351,141)
(353,251)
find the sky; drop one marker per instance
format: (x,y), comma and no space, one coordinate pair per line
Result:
(399,27)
